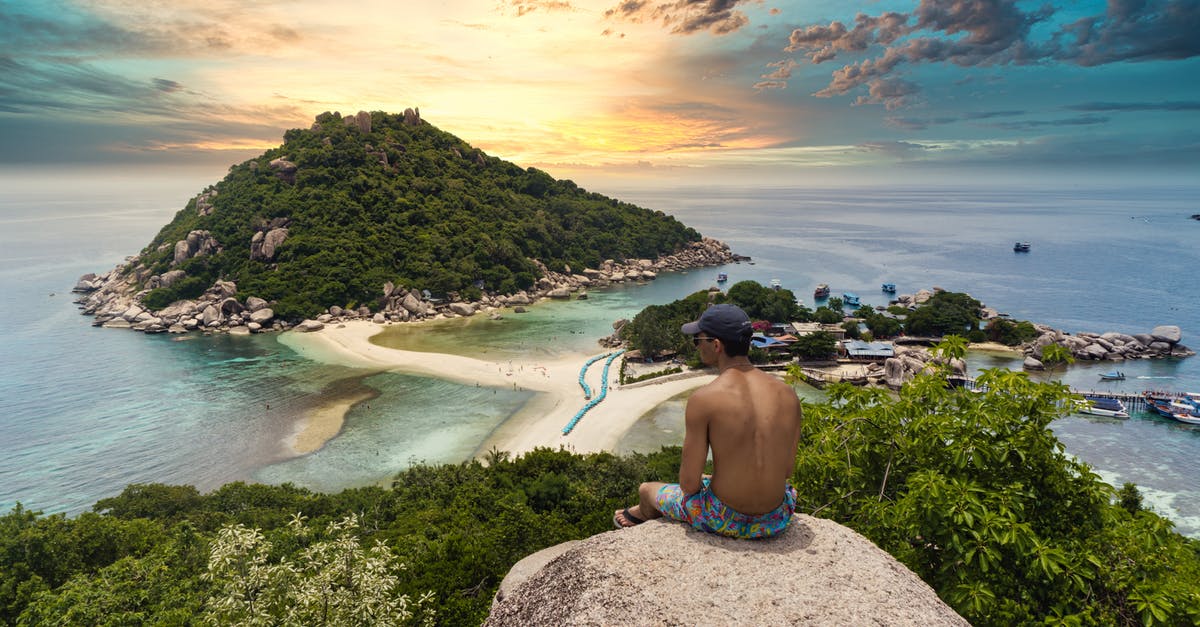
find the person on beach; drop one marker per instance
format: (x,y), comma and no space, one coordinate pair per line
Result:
(751,421)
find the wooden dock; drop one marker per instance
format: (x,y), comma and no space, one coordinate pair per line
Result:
(1132,400)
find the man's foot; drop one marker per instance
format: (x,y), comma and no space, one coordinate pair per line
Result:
(623,518)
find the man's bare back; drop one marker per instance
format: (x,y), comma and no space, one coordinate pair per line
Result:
(753,426)
(751,422)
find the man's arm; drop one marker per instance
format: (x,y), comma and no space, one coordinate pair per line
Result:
(695,444)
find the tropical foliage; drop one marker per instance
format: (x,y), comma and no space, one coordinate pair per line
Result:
(945,313)
(970,490)
(403,203)
(973,492)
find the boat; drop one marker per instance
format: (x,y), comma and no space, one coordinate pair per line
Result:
(1103,406)
(1160,407)
(822,291)
(1115,375)
(850,299)
(1190,419)
(722,277)
(1021,247)
(1176,409)
(775,284)
(1184,407)
(890,288)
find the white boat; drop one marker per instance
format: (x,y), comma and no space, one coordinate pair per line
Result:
(1102,406)
(775,284)
(1187,418)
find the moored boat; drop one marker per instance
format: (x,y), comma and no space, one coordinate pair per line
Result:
(890,288)
(850,299)
(722,277)
(1021,247)
(822,291)
(775,284)
(1103,406)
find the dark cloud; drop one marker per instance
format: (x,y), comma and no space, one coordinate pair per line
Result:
(166,85)
(685,17)
(824,42)
(893,93)
(1136,106)
(1026,125)
(918,124)
(761,85)
(987,115)
(971,33)
(1133,30)
(34,87)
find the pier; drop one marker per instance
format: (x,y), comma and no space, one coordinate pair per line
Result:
(1132,400)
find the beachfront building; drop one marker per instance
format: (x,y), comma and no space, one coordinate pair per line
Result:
(804,328)
(858,350)
(775,347)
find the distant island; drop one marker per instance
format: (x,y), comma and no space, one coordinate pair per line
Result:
(382,215)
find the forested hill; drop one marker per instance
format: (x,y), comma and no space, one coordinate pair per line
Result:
(354,202)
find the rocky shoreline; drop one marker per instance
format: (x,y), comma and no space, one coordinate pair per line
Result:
(1160,343)
(115,301)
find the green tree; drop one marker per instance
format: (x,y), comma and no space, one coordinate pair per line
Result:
(952,347)
(944,314)
(652,331)
(334,581)
(815,346)
(763,303)
(1056,354)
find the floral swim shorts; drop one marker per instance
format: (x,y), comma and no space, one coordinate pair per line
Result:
(705,512)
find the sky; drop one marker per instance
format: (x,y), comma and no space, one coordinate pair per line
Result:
(750,92)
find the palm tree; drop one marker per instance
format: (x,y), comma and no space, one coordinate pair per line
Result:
(952,347)
(1053,354)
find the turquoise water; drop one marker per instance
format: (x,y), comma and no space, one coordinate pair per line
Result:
(85,411)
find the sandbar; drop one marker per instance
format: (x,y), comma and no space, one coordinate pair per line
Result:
(537,424)
(325,421)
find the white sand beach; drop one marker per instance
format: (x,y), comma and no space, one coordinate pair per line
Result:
(538,424)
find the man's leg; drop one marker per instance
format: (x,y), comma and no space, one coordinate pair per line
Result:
(646,509)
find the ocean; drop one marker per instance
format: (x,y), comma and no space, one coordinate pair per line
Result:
(85,411)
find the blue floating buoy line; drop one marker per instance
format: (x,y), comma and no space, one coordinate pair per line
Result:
(587,391)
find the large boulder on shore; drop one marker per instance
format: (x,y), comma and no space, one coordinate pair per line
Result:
(262,316)
(1168,333)
(817,572)
(309,326)
(462,309)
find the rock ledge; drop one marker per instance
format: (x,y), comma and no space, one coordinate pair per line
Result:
(663,573)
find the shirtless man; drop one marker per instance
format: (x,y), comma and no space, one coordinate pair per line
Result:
(751,420)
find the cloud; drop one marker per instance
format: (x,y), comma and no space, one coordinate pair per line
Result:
(525,7)
(778,78)
(1025,125)
(892,93)
(918,124)
(895,148)
(970,33)
(684,17)
(1133,30)
(166,85)
(1136,106)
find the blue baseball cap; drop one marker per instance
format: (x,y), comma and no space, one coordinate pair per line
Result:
(726,322)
